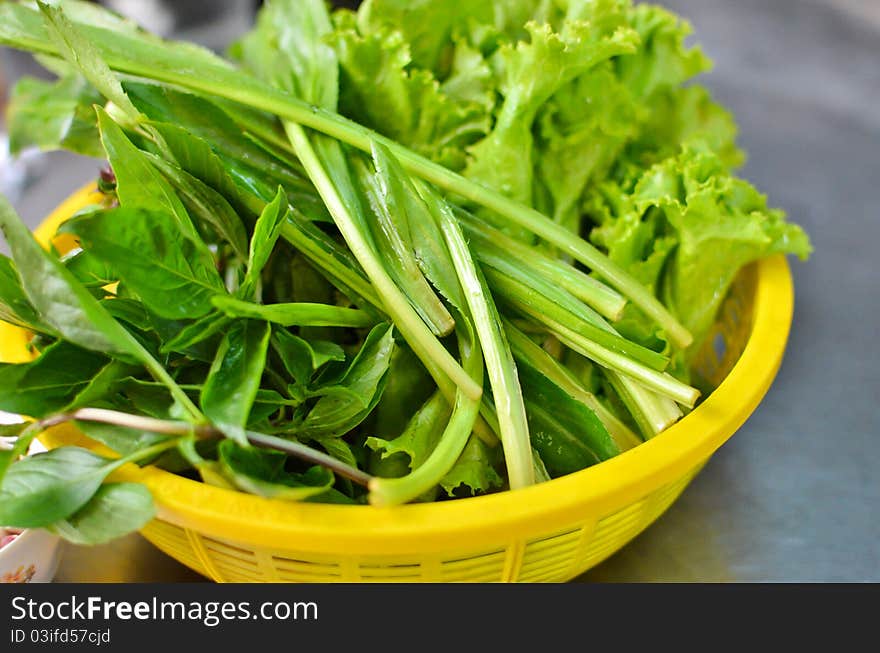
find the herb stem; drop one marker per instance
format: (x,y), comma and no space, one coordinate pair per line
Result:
(185,429)
(596,294)
(661,383)
(506,391)
(394,491)
(431,352)
(309,454)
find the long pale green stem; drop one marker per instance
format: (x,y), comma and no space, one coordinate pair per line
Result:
(606,301)
(539,304)
(653,413)
(661,383)
(184,429)
(430,351)
(393,491)
(506,392)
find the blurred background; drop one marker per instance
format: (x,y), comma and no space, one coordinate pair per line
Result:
(794,496)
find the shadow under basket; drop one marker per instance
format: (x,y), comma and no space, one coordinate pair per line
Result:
(549,532)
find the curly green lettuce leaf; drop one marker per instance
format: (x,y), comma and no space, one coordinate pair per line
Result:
(662,59)
(686,227)
(530,73)
(381,89)
(580,132)
(426,24)
(679,116)
(474,472)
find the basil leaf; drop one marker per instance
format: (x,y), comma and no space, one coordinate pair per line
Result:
(115,510)
(120,439)
(345,404)
(266,233)
(197,157)
(66,305)
(302,358)
(102,384)
(206,204)
(173,275)
(234,379)
(88,269)
(47,487)
(211,126)
(261,472)
(15,307)
(61,302)
(138,184)
(50,382)
(128,310)
(203,329)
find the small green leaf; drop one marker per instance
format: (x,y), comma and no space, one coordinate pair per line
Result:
(409,385)
(120,439)
(173,275)
(420,435)
(302,358)
(50,382)
(89,270)
(12,430)
(232,384)
(261,472)
(15,307)
(47,487)
(205,328)
(128,310)
(115,510)
(56,295)
(266,233)
(138,184)
(345,404)
(473,472)
(205,204)
(102,384)
(197,156)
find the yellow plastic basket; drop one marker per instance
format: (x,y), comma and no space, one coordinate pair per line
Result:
(548,532)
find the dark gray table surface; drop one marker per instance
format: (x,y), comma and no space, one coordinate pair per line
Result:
(795,495)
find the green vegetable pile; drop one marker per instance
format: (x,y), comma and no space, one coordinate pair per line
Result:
(427,250)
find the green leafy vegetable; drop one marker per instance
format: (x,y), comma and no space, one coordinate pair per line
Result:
(154,259)
(262,472)
(346,402)
(234,378)
(416,252)
(115,510)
